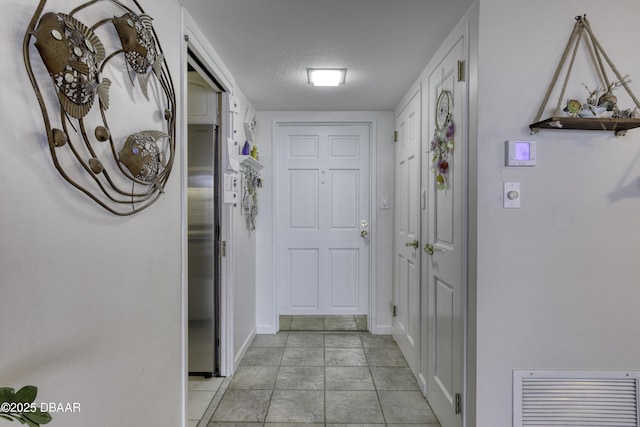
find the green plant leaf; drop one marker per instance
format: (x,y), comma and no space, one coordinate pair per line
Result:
(26,394)
(31,423)
(4,417)
(6,394)
(38,416)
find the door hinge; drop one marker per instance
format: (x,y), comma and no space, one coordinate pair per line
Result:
(394,310)
(458,404)
(461,71)
(395,136)
(224,248)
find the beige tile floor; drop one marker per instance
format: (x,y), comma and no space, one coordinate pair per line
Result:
(314,377)
(201,392)
(324,323)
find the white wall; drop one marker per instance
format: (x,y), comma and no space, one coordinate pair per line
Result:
(90,303)
(382,175)
(557,280)
(244,256)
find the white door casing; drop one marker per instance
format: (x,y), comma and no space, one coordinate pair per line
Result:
(323,213)
(444,270)
(196,42)
(406,286)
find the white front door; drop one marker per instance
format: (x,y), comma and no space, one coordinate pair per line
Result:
(323,215)
(406,287)
(444,263)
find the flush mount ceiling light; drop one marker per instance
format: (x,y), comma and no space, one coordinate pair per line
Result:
(326,76)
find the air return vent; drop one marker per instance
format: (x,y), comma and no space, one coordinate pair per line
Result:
(575,398)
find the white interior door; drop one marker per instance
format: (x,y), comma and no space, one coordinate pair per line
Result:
(406,287)
(444,269)
(323,215)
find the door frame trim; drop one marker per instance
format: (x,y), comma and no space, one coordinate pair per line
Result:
(414,93)
(196,42)
(317,119)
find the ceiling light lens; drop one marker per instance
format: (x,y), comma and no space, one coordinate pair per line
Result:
(326,77)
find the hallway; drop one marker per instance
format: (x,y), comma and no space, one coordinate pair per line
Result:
(318,379)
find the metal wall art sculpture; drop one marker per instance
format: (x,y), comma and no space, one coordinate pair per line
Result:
(121,166)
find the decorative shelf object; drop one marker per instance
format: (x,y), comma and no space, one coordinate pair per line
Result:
(251,182)
(617,121)
(619,126)
(250,162)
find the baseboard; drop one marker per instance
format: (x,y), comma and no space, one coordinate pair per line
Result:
(422,383)
(266,329)
(382,330)
(243,349)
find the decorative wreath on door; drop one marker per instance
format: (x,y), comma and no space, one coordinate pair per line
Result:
(442,143)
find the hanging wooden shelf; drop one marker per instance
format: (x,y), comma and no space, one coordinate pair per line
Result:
(619,126)
(582,31)
(250,162)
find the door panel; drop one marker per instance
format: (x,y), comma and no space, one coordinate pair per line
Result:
(344,272)
(304,199)
(341,146)
(344,199)
(303,147)
(444,305)
(444,269)
(443,211)
(323,197)
(406,288)
(305,275)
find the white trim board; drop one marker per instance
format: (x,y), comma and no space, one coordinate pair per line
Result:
(196,42)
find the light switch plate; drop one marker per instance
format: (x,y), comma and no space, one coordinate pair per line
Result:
(384,201)
(511,195)
(230,197)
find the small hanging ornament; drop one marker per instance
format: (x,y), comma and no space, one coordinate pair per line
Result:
(442,143)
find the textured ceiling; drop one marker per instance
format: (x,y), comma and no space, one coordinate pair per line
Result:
(268,45)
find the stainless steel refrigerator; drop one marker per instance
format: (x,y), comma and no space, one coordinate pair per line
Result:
(203,258)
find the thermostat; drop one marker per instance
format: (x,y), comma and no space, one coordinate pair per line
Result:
(520,153)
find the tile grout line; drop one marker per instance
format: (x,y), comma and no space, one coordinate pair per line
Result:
(273,387)
(324,373)
(213,405)
(375,386)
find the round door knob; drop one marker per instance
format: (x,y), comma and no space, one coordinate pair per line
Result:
(428,248)
(364,234)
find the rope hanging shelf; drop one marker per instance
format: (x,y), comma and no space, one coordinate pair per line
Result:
(617,121)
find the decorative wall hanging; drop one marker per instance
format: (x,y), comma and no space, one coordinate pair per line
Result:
(252,182)
(121,165)
(600,110)
(442,143)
